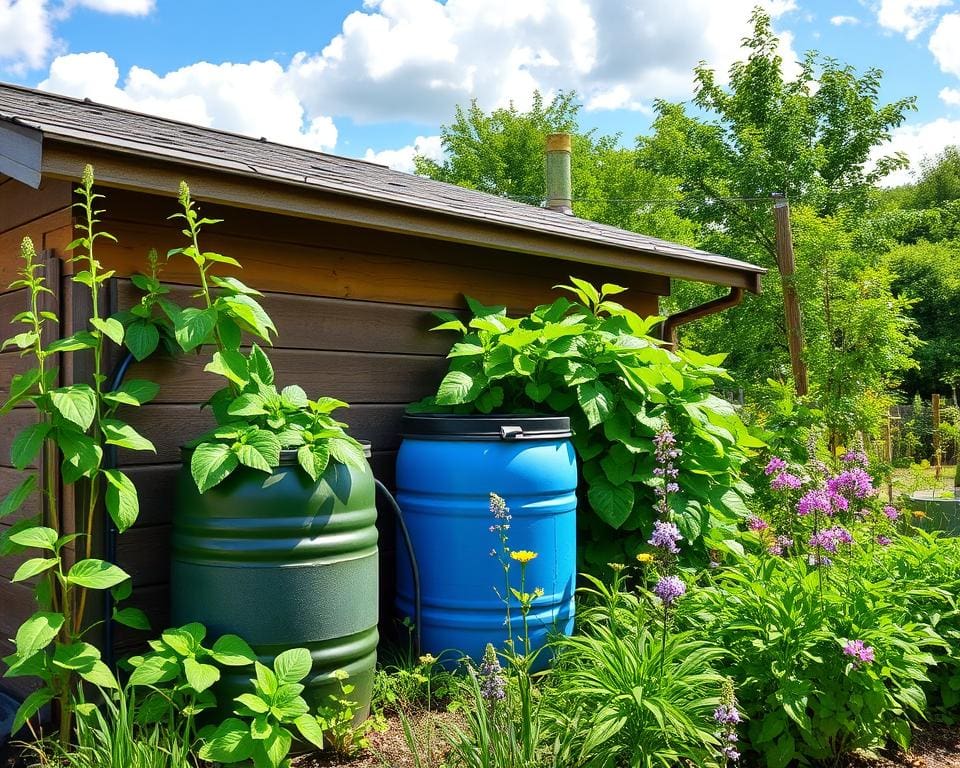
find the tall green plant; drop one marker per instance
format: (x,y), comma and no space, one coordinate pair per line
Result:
(595,361)
(74,424)
(255,419)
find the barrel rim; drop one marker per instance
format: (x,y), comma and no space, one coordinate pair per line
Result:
(486,426)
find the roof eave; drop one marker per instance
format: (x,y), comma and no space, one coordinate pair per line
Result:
(129,169)
(21,152)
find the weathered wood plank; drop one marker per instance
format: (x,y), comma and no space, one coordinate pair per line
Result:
(355,378)
(413,279)
(50,231)
(309,322)
(20,204)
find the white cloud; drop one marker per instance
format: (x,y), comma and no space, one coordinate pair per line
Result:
(212,95)
(839,21)
(25,35)
(909,17)
(415,59)
(943,44)
(128,7)
(27,39)
(918,141)
(402,159)
(950,96)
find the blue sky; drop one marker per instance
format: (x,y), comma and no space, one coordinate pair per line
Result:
(377,78)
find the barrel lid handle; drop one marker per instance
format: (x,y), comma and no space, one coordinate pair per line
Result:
(510,433)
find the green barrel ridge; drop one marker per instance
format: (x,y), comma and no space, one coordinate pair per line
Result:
(283,562)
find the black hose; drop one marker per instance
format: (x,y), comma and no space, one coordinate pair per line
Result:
(109,528)
(414,568)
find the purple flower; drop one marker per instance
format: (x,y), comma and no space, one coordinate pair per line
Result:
(829,538)
(755,523)
(884,541)
(726,714)
(665,536)
(855,457)
(814,501)
(853,482)
(861,653)
(780,544)
(776,464)
(891,513)
(669,589)
(730,753)
(493,685)
(784,481)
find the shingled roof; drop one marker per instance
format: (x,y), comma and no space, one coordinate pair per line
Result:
(40,133)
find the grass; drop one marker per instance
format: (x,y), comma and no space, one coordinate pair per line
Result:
(923,477)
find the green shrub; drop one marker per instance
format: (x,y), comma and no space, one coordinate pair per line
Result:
(794,633)
(595,361)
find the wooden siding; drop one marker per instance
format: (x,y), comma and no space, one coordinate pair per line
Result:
(353,311)
(43,215)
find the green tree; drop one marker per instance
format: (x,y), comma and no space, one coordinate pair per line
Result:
(939,180)
(810,138)
(930,273)
(501,152)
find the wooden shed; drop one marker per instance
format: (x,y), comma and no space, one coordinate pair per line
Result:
(352,257)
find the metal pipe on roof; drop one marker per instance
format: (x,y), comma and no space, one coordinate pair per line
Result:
(557,162)
(668,331)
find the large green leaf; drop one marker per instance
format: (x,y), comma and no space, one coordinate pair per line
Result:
(37,632)
(613,503)
(96,574)
(118,433)
(36,537)
(596,401)
(310,729)
(293,665)
(248,314)
(34,567)
(21,386)
(121,499)
(79,657)
(200,676)
(230,743)
(31,705)
(132,617)
(211,463)
(77,403)
(27,444)
(109,327)
(81,454)
(455,388)
(231,364)
(16,498)
(133,392)
(142,338)
(233,651)
(192,327)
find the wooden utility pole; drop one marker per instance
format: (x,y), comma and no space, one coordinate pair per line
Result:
(791,304)
(935,408)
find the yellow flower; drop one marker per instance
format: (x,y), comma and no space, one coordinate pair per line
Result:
(919,513)
(523,556)
(644,558)
(428,659)
(616,567)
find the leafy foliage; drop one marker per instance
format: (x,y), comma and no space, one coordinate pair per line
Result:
(255,419)
(263,730)
(785,625)
(75,424)
(594,361)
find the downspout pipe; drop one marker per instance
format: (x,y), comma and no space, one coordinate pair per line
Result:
(668,331)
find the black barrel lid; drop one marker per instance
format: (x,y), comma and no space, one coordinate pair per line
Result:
(486,426)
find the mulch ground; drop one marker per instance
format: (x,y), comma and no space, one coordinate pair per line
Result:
(936,746)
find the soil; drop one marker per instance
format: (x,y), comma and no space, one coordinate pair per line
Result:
(935,746)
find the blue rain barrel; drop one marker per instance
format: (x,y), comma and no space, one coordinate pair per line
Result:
(447,467)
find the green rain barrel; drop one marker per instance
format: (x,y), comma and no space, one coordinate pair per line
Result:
(283,562)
